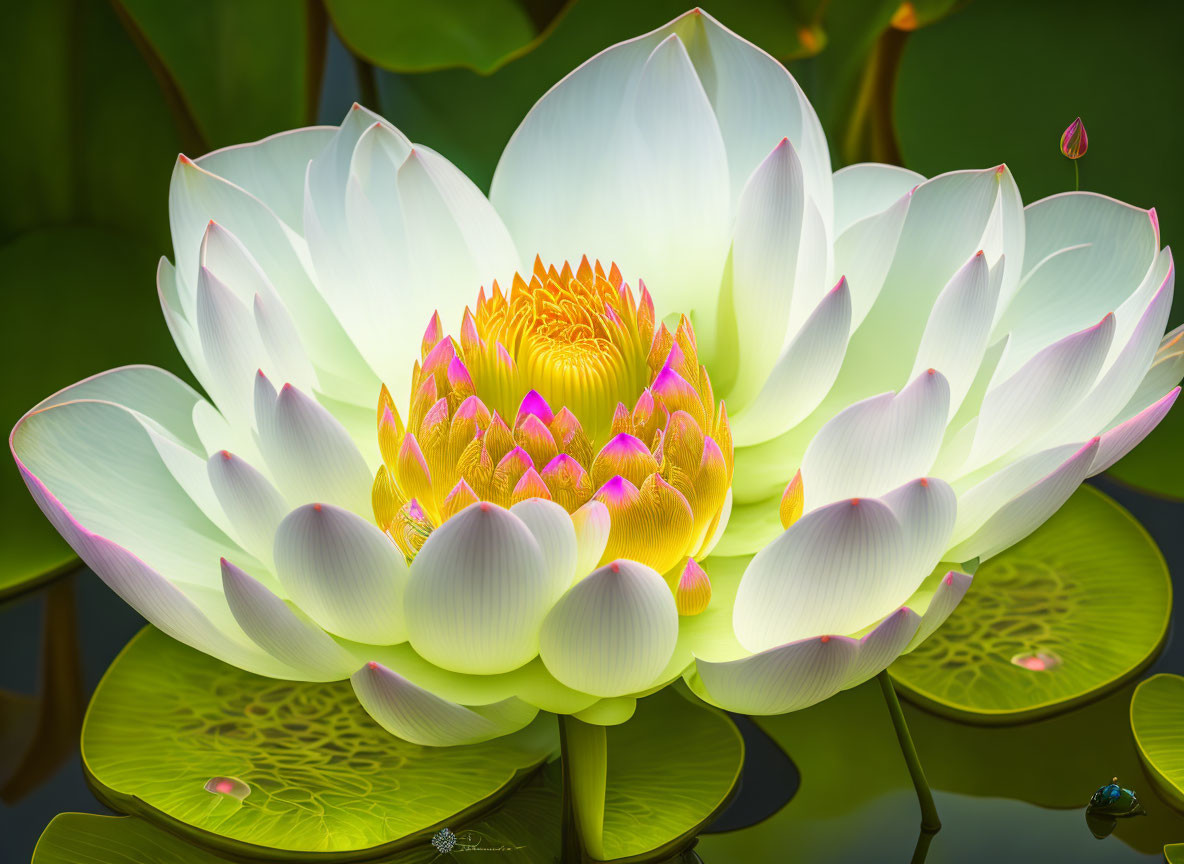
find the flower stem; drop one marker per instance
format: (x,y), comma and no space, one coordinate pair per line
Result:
(929,819)
(1076,177)
(584,749)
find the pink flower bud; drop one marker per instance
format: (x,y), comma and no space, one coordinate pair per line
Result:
(1074,141)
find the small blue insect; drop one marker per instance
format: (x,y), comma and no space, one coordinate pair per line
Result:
(443,840)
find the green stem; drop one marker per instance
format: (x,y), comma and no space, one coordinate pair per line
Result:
(929,819)
(1076,176)
(585,774)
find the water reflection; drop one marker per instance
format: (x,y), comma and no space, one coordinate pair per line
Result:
(39,732)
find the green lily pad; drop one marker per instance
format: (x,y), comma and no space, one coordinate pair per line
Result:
(1157,721)
(1062,617)
(1173,853)
(279,769)
(671,768)
(526,827)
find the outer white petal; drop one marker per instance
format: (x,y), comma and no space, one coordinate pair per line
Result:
(926,509)
(230,346)
(1124,370)
(955,337)
(1085,253)
(864,252)
(282,631)
(835,570)
(252,506)
(592,525)
(882,645)
(344,572)
(950,217)
(272,169)
(478,592)
(1036,395)
(421,717)
(868,188)
(938,605)
(181,328)
(1165,373)
(768,233)
(613,633)
(163,603)
(781,679)
(309,452)
(802,375)
(1121,439)
(554,532)
(103,463)
(552,161)
(1023,514)
(195,198)
(877,444)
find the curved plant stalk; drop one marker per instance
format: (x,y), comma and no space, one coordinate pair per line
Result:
(930,822)
(584,749)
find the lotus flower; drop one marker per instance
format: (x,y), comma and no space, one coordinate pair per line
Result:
(518,517)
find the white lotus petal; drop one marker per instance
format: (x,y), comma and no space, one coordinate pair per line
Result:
(764,262)
(950,218)
(552,161)
(833,571)
(864,252)
(782,679)
(1125,369)
(478,592)
(419,716)
(1037,394)
(310,454)
(1022,515)
(926,509)
(592,525)
(285,353)
(868,188)
(613,633)
(1121,439)
(882,645)
(877,444)
(272,169)
(283,631)
(1085,254)
(803,373)
(180,328)
(1165,373)
(196,197)
(252,506)
(980,497)
(955,337)
(815,263)
(945,598)
(553,531)
(163,603)
(344,572)
(100,461)
(230,346)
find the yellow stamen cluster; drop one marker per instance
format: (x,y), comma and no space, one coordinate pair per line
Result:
(481,426)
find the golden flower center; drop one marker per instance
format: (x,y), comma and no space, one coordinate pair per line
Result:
(562,389)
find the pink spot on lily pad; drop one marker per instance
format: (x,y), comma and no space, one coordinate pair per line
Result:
(1041,661)
(231,787)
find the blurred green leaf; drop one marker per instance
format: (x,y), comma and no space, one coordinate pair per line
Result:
(241,71)
(410,36)
(1066,614)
